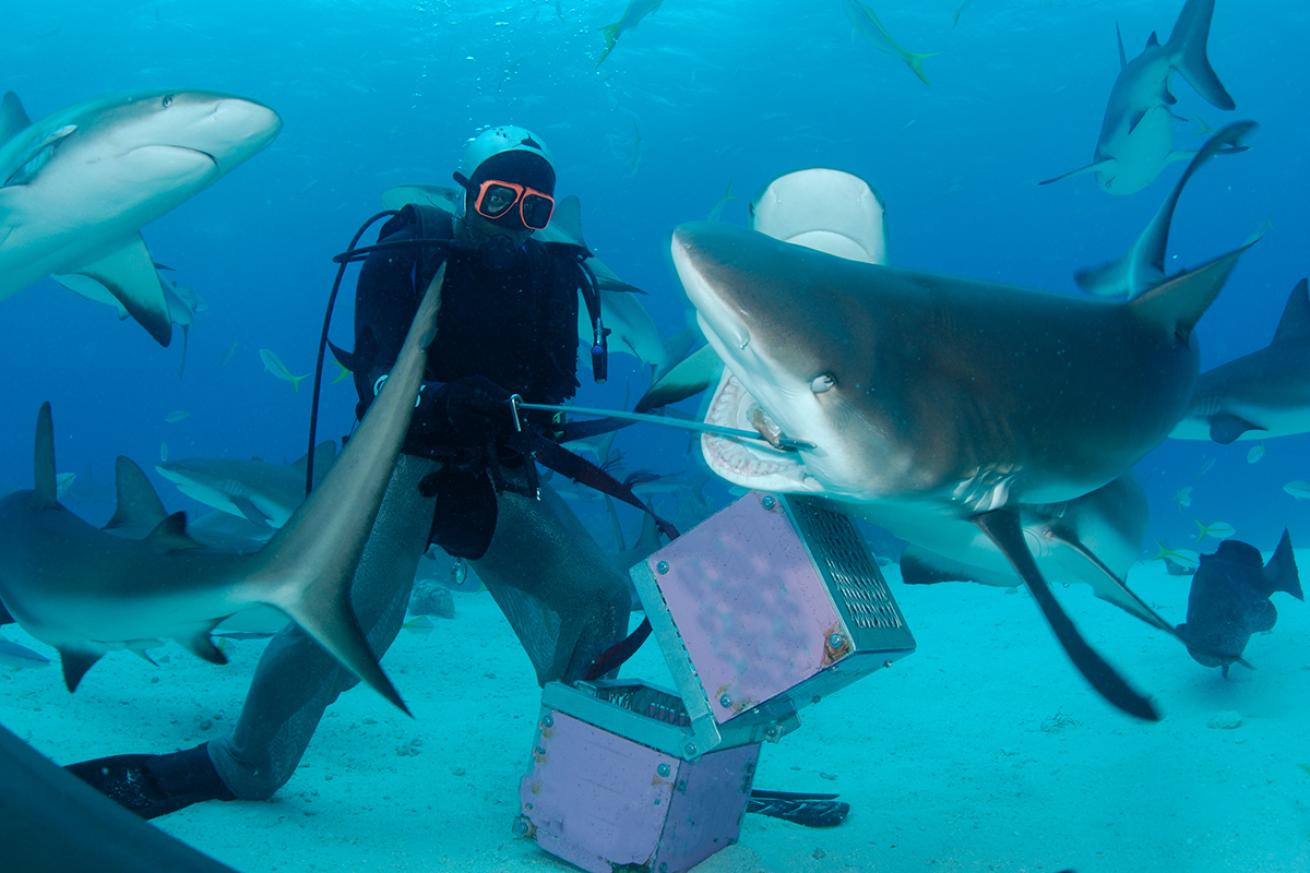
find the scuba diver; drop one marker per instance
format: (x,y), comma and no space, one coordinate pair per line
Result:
(466,480)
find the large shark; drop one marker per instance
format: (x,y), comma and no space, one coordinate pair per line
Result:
(262,493)
(1136,139)
(632,329)
(1261,395)
(951,396)
(76,187)
(86,591)
(53,822)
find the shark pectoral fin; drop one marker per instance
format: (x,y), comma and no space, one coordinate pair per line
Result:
(1226,427)
(1002,527)
(251,512)
(170,535)
(202,645)
(139,507)
(129,276)
(45,486)
(1094,167)
(75,665)
(917,569)
(1117,590)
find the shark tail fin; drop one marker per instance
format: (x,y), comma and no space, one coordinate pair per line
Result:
(914,60)
(308,568)
(1187,46)
(1294,326)
(1180,302)
(611,33)
(139,506)
(45,484)
(1281,573)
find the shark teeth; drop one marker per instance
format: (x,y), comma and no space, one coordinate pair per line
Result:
(744,464)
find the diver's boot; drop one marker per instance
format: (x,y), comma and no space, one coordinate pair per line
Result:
(155,785)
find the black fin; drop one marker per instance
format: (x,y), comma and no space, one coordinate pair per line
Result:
(45,485)
(916,570)
(1226,427)
(1002,527)
(75,665)
(1281,573)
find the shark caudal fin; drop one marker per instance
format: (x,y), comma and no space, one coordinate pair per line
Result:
(1187,48)
(308,567)
(1179,303)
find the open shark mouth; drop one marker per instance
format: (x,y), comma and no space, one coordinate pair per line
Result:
(749,464)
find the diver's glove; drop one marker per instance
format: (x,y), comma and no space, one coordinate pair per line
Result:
(475,409)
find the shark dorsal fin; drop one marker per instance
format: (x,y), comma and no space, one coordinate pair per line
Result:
(45,483)
(1294,326)
(1179,303)
(170,534)
(138,505)
(1123,55)
(1153,40)
(567,219)
(13,118)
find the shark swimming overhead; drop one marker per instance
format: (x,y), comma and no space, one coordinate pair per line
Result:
(959,397)
(1136,139)
(1261,395)
(87,591)
(76,187)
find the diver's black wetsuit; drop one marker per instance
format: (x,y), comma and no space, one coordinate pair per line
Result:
(566,600)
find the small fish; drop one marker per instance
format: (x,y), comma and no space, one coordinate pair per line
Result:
(64,484)
(1182,557)
(868,22)
(1206,466)
(273,364)
(1300,489)
(176,415)
(231,350)
(955,21)
(1256,453)
(632,16)
(1184,497)
(15,657)
(163,453)
(419,624)
(1220,530)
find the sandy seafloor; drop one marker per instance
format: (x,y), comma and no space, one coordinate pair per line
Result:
(982,751)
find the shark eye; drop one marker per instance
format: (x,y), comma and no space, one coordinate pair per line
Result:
(167,101)
(823,382)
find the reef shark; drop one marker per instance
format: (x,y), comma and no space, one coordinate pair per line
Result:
(948,396)
(76,188)
(1136,139)
(53,822)
(262,493)
(86,591)
(1261,395)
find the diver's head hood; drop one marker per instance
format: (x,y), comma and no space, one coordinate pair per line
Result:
(511,153)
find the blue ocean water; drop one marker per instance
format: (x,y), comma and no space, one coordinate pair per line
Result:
(699,97)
